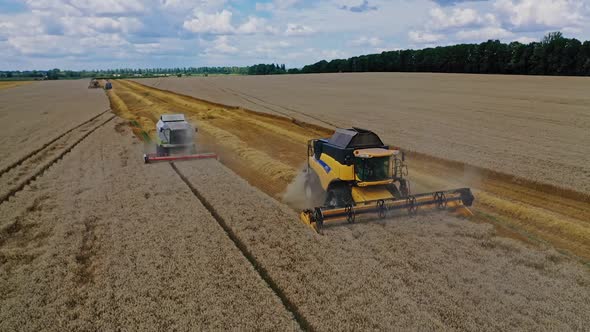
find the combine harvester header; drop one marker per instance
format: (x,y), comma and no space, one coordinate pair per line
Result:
(359,175)
(175,141)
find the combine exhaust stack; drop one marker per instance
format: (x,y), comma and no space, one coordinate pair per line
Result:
(455,201)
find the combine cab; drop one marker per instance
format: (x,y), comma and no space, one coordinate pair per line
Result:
(359,175)
(175,140)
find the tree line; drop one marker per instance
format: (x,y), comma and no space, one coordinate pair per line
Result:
(56,73)
(267,69)
(554,55)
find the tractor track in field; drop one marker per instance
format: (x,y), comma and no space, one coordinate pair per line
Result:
(242,247)
(44,146)
(249,98)
(542,213)
(26,170)
(519,209)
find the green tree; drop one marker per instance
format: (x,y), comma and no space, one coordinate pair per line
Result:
(53,74)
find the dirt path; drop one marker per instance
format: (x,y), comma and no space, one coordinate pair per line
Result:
(103,242)
(268,152)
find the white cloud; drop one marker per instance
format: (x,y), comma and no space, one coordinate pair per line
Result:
(270,49)
(220,23)
(356,6)
(19,25)
(71,32)
(366,41)
(276,5)
(147,48)
(422,37)
(217,23)
(221,45)
(455,18)
(103,7)
(88,7)
(45,45)
(332,54)
(539,14)
(256,25)
(52,6)
(253,25)
(104,41)
(484,34)
(527,40)
(90,26)
(298,30)
(204,5)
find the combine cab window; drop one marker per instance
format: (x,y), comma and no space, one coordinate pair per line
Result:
(179,137)
(372,169)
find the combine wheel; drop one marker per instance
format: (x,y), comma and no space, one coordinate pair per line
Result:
(319,220)
(350,214)
(382,209)
(339,195)
(441,200)
(412,207)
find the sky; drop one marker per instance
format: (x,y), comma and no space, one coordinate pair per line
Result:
(102,34)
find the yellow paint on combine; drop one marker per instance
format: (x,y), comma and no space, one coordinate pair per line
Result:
(370,193)
(336,170)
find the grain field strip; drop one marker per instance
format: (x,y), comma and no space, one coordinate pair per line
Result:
(242,94)
(32,153)
(518,201)
(40,172)
(287,303)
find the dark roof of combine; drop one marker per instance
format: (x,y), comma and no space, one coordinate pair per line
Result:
(355,138)
(179,125)
(172,117)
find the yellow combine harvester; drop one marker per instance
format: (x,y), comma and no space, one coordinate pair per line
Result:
(359,175)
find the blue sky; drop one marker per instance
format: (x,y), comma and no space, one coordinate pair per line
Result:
(100,34)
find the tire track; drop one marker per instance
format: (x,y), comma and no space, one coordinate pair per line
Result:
(518,207)
(242,94)
(44,146)
(287,303)
(38,171)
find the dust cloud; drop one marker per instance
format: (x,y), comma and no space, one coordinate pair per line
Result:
(297,197)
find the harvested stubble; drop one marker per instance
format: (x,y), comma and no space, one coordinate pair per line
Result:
(104,242)
(532,127)
(13,179)
(268,150)
(13,84)
(426,272)
(34,114)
